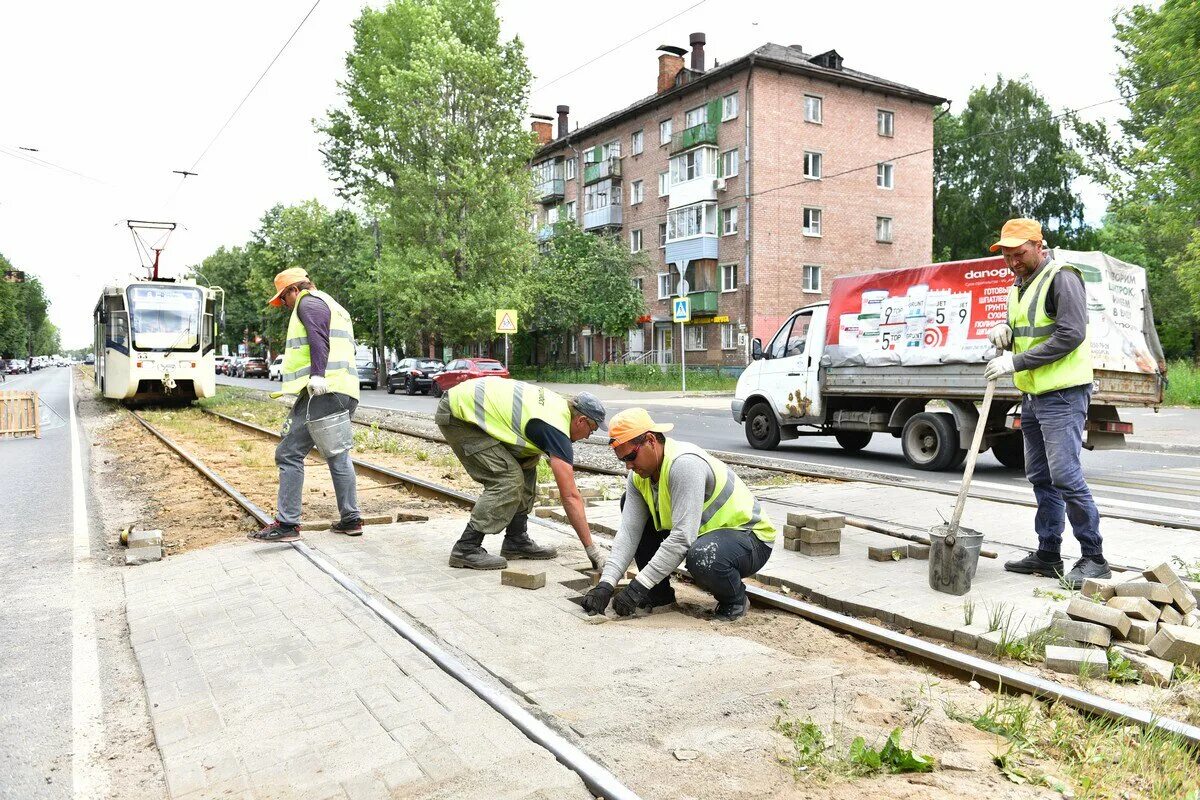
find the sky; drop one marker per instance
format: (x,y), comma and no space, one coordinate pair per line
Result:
(114,96)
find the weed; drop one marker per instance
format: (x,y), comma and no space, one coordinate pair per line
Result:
(422,455)
(1120,670)
(1010,717)
(1184,387)
(808,742)
(1187,571)
(1029,648)
(1066,585)
(890,758)
(999,616)
(1049,594)
(968,612)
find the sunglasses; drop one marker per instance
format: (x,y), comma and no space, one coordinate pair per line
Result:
(632,454)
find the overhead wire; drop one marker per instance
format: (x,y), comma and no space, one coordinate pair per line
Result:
(41,162)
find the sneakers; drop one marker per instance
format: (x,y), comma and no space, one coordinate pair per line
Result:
(1035,564)
(1087,567)
(728,612)
(276,532)
(352,527)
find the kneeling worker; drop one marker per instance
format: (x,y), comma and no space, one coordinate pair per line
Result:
(681,503)
(499,428)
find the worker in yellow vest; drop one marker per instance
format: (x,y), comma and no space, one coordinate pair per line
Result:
(318,369)
(1051,364)
(500,429)
(681,503)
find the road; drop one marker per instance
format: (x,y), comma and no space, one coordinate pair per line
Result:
(1127,480)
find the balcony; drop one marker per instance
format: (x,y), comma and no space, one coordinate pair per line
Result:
(704,304)
(545,233)
(692,249)
(704,133)
(607,217)
(549,191)
(608,168)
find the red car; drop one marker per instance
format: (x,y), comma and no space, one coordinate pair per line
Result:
(464,369)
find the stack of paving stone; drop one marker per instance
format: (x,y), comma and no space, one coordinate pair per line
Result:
(1152,620)
(815,534)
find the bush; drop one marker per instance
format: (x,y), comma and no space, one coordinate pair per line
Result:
(636,377)
(1183,384)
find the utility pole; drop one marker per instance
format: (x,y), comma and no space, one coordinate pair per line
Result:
(380,369)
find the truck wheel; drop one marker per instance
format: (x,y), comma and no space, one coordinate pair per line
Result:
(853,441)
(762,429)
(1010,450)
(930,441)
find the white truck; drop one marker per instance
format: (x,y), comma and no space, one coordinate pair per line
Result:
(902,352)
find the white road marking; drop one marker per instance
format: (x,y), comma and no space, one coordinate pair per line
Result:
(1101,500)
(87,722)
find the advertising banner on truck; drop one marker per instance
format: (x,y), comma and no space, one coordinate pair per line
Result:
(941,313)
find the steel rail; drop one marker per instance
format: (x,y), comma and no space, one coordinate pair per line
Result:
(596,777)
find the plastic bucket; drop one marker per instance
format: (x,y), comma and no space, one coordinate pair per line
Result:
(952,567)
(333,435)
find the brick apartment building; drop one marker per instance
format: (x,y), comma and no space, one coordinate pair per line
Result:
(762,178)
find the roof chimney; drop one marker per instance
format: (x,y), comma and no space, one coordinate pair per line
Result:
(697,42)
(543,131)
(562,120)
(670,64)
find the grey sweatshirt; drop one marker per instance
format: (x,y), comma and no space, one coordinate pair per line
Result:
(691,481)
(1066,303)
(315,314)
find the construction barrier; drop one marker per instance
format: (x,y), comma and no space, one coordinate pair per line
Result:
(19,414)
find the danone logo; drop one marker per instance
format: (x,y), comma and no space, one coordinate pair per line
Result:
(999,272)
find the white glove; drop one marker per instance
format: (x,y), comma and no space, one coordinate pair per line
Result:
(998,366)
(317,385)
(1001,335)
(595,556)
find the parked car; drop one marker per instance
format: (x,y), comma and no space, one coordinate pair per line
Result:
(17,366)
(414,375)
(367,375)
(220,364)
(235,366)
(275,371)
(255,368)
(89,359)
(464,369)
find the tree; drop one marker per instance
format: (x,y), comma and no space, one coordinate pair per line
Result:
(1003,156)
(431,138)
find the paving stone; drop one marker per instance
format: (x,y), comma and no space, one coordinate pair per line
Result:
(1082,632)
(1169,615)
(1191,619)
(315,524)
(378,519)
(1087,611)
(819,549)
(1181,595)
(522,578)
(813,536)
(1135,607)
(797,520)
(1162,573)
(888,553)
(1132,647)
(145,539)
(791,532)
(1098,587)
(988,642)
(1152,670)
(143,555)
(824,521)
(919,551)
(1074,660)
(1141,631)
(1177,643)
(1194,588)
(1154,592)
(791,544)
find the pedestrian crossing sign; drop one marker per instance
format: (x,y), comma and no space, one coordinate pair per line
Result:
(681,309)
(506,320)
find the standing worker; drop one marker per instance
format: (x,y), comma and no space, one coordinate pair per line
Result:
(680,503)
(318,369)
(499,429)
(1051,363)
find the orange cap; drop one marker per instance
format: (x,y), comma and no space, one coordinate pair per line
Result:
(1017,232)
(285,279)
(632,423)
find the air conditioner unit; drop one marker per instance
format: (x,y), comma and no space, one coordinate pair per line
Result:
(720,184)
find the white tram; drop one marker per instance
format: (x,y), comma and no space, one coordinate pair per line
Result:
(155,340)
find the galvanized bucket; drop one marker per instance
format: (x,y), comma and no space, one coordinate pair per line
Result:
(333,435)
(953,560)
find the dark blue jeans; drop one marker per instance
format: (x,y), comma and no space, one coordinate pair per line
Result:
(1052,424)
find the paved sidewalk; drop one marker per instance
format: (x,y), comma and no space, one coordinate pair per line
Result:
(265,679)
(1172,429)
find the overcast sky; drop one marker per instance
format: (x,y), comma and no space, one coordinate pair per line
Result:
(122,93)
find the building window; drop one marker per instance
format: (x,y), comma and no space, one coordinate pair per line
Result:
(883,229)
(729,336)
(601,195)
(812,222)
(662,235)
(635,241)
(533,221)
(729,221)
(591,155)
(698,163)
(667,281)
(813,165)
(664,183)
(552,215)
(886,122)
(664,132)
(729,277)
(694,220)
(637,284)
(570,168)
(635,143)
(694,337)
(729,107)
(812,109)
(884,175)
(812,278)
(729,163)
(697,116)
(610,150)
(570,209)
(636,193)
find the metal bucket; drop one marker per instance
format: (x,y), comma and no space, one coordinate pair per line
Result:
(333,435)
(952,562)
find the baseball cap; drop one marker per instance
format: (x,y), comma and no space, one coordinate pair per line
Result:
(1017,232)
(285,279)
(590,406)
(632,423)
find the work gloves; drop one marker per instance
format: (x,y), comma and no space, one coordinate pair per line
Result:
(1001,335)
(595,601)
(629,599)
(317,385)
(595,556)
(999,366)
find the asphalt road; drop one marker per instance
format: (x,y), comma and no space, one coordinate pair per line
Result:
(1129,480)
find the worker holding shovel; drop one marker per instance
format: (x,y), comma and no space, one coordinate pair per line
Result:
(1051,364)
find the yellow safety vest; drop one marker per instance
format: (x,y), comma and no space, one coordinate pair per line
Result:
(1032,325)
(731,505)
(340,372)
(503,407)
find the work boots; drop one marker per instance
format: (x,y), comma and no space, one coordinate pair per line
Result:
(517,543)
(468,552)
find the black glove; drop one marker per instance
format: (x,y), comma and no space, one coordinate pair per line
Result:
(629,599)
(595,601)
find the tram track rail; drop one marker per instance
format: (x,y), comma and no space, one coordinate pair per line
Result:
(593,774)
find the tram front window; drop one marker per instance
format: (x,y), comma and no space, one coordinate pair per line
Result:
(165,317)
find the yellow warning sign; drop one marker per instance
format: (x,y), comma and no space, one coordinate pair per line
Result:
(506,320)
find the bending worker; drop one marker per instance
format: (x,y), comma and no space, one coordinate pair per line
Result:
(318,368)
(499,428)
(680,503)
(1051,363)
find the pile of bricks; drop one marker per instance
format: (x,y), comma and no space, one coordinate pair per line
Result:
(815,534)
(1152,620)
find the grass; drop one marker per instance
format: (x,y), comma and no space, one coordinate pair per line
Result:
(246,404)
(814,755)
(1183,384)
(999,616)
(1188,570)
(635,377)
(968,611)
(1050,594)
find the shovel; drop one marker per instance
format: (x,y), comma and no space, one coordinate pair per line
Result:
(954,551)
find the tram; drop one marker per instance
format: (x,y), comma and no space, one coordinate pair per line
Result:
(155,340)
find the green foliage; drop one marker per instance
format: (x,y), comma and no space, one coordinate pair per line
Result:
(25,328)
(890,758)
(635,377)
(1120,670)
(968,611)
(1183,384)
(808,741)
